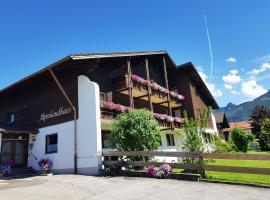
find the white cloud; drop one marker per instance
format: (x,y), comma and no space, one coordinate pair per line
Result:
(232,78)
(251,89)
(231,60)
(262,59)
(234,92)
(263,68)
(212,88)
(216,92)
(234,71)
(227,86)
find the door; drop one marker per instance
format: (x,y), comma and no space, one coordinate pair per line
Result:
(16,150)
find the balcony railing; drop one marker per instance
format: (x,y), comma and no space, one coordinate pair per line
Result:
(110,110)
(159,94)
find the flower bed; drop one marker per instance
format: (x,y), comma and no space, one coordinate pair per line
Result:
(156,87)
(158,172)
(177,96)
(161,117)
(164,117)
(116,107)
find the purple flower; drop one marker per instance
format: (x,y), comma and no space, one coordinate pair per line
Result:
(179,120)
(166,169)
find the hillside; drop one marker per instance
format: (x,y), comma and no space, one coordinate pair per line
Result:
(242,111)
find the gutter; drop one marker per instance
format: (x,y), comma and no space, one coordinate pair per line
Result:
(74,115)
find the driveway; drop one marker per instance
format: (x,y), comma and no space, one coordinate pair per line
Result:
(122,188)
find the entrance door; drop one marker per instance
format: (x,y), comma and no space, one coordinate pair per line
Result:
(15,149)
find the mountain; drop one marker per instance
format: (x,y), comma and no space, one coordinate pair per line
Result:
(243,110)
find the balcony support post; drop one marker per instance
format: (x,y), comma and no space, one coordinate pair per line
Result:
(130,94)
(167,84)
(148,86)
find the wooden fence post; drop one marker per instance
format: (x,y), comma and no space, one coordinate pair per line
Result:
(200,166)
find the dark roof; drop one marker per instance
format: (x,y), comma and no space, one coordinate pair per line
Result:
(194,75)
(221,119)
(85,56)
(219,116)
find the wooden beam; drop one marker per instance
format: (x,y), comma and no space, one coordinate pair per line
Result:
(131,102)
(167,84)
(249,170)
(149,93)
(139,97)
(152,153)
(161,103)
(143,164)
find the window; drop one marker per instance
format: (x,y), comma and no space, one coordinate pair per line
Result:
(51,143)
(102,97)
(105,140)
(10,118)
(170,140)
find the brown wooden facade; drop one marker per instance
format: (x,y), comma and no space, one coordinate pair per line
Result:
(39,94)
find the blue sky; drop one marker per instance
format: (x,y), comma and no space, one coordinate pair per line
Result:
(37,33)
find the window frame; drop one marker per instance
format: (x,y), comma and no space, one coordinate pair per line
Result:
(170,140)
(46,144)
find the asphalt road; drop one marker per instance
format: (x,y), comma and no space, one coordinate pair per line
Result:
(122,188)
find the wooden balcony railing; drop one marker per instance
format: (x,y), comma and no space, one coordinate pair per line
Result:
(110,110)
(159,94)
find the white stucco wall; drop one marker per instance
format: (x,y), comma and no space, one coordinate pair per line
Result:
(214,122)
(88,136)
(0,141)
(89,128)
(63,160)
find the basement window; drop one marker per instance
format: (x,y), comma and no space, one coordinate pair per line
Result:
(51,143)
(170,140)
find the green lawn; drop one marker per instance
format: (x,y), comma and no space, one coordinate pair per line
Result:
(239,177)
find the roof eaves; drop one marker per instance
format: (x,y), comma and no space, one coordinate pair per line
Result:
(189,65)
(38,72)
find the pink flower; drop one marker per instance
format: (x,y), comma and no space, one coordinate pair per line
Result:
(179,120)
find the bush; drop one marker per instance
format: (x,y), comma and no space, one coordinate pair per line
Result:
(135,131)
(221,146)
(264,139)
(241,139)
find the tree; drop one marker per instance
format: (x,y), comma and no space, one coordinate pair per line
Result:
(258,115)
(135,131)
(241,139)
(264,139)
(194,129)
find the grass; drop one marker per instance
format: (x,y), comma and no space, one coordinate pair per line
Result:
(240,177)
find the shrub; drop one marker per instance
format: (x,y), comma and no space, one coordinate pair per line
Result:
(194,129)
(135,131)
(241,139)
(264,139)
(221,146)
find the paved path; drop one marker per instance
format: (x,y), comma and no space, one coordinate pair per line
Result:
(121,188)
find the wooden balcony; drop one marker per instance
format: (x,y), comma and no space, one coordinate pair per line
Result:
(140,91)
(110,110)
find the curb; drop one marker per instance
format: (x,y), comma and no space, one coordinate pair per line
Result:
(236,183)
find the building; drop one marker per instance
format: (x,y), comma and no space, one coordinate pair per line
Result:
(64,111)
(222,125)
(245,125)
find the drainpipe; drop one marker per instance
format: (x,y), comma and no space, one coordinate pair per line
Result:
(74,113)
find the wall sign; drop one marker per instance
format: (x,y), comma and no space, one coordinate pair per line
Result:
(53,114)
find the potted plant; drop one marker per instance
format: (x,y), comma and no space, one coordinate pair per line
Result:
(5,167)
(45,165)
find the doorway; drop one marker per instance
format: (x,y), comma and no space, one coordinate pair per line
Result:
(15,147)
